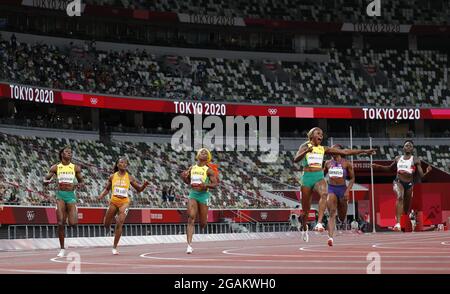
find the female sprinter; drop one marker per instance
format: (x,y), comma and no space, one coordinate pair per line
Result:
(66,208)
(338,170)
(311,153)
(201,177)
(119,182)
(408,166)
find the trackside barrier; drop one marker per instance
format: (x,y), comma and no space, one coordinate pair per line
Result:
(92,231)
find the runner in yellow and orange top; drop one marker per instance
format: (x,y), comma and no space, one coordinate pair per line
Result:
(119,183)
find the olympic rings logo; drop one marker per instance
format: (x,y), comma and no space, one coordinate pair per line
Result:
(272,111)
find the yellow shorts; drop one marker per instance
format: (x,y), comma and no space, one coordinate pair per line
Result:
(119,201)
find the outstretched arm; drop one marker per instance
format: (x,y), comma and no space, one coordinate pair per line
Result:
(385,168)
(345,152)
(135,184)
(429,169)
(107,188)
(417,163)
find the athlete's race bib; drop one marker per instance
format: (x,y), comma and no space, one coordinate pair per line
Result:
(118,191)
(336,172)
(196,179)
(404,167)
(315,159)
(66,179)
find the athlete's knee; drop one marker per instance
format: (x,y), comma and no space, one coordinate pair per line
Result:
(331,202)
(203,224)
(107,224)
(333,212)
(191,218)
(306,205)
(397,190)
(323,196)
(73,223)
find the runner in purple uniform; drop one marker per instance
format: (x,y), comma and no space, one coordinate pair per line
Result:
(338,169)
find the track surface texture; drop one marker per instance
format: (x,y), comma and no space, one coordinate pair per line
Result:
(423,252)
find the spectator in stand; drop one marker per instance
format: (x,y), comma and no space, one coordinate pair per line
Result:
(93,46)
(41,65)
(13,200)
(171,194)
(164,196)
(13,42)
(2,195)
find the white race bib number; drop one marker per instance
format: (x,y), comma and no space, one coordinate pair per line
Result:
(336,172)
(195,179)
(315,159)
(404,167)
(66,179)
(118,191)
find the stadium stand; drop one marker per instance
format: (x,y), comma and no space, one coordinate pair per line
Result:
(351,77)
(395,11)
(25,161)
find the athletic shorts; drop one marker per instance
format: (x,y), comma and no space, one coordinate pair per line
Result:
(119,201)
(202,197)
(406,185)
(66,196)
(309,179)
(338,190)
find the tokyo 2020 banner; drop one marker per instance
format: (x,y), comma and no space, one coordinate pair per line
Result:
(182,106)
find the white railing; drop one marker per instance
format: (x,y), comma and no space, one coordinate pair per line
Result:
(97,230)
